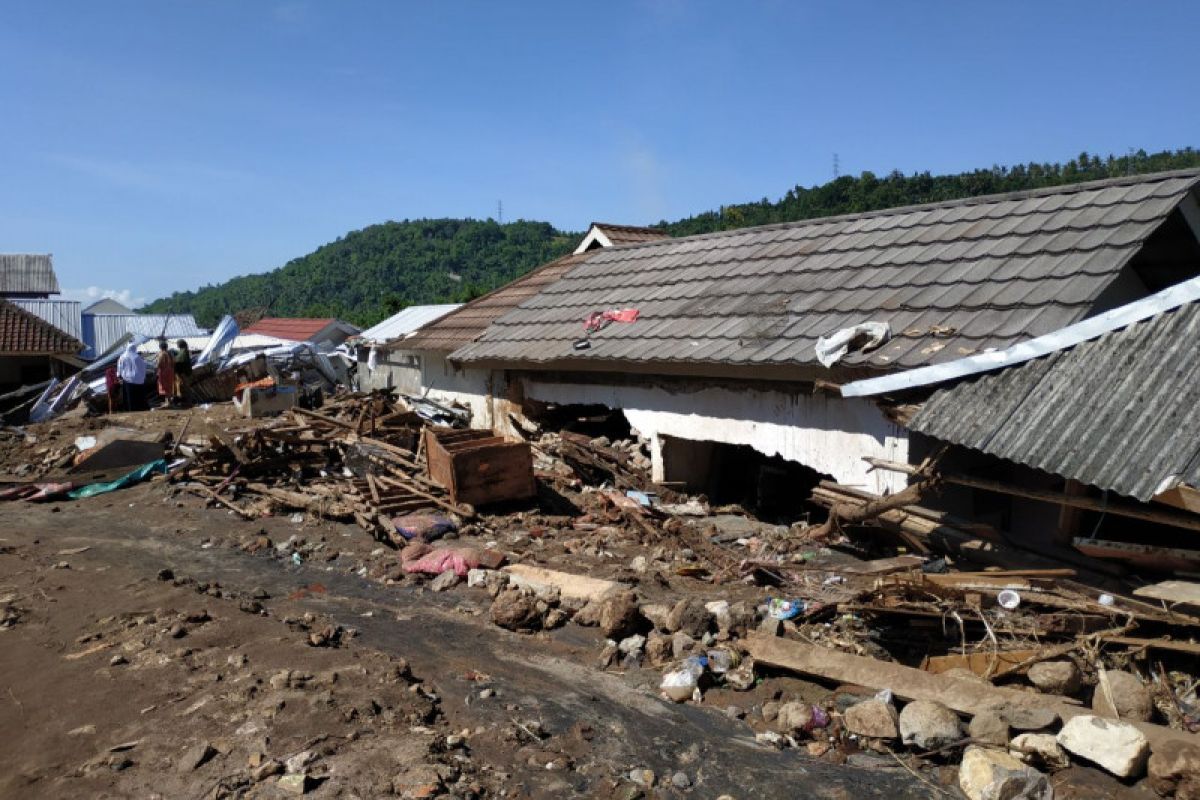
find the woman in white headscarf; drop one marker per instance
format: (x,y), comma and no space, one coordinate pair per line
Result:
(131,369)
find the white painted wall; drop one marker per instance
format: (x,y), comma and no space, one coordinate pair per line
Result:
(444,383)
(828,434)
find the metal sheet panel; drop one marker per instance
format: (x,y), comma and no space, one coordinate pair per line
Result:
(27,274)
(62,314)
(1121,412)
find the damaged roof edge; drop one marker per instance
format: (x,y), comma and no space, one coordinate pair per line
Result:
(1172,297)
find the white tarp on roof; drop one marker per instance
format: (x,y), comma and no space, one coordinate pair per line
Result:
(407,321)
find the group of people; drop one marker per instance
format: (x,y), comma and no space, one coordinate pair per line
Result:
(126,380)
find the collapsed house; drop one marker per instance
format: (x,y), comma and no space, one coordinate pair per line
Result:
(107,324)
(325,333)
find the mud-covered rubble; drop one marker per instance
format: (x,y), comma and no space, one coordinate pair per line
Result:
(677,596)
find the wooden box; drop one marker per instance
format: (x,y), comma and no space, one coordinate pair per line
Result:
(479,467)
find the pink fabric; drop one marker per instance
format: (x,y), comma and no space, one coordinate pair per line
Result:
(600,319)
(460,560)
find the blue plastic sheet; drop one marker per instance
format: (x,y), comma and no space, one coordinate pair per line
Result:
(129,479)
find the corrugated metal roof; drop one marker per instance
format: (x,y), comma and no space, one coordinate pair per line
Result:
(102,331)
(463,325)
(62,314)
(952,279)
(26,273)
(410,319)
(24,333)
(1120,413)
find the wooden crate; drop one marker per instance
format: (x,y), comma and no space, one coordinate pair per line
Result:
(479,467)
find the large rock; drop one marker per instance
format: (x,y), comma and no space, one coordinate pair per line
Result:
(516,610)
(988,727)
(995,775)
(689,616)
(1056,677)
(1130,698)
(873,718)
(1039,749)
(1174,769)
(620,616)
(1118,747)
(928,725)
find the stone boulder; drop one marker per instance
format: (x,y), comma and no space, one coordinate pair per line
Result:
(1039,749)
(873,718)
(1174,769)
(988,727)
(928,725)
(995,775)
(620,616)
(1056,677)
(1118,747)
(1130,697)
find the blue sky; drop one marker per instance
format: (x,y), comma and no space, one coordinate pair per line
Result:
(163,145)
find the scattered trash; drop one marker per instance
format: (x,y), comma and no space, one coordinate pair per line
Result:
(1008,599)
(785,609)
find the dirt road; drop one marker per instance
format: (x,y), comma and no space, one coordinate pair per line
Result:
(147,653)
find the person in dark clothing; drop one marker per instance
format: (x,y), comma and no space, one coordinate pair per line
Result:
(183,368)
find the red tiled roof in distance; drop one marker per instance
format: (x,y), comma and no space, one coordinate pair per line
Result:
(298,329)
(23,333)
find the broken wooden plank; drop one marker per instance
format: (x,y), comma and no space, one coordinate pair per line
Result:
(1172,592)
(1154,644)
(987,665)
(577,590)
(964,695)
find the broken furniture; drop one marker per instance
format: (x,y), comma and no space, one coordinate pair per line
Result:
(478,467)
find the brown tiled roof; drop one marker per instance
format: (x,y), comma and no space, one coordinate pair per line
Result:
(951,279)
(468,322)
(629,234)
(294,329)
(23,333)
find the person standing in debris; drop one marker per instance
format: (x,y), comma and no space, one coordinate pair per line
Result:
(183,368)
(131,369)
(165,373)
(111,384)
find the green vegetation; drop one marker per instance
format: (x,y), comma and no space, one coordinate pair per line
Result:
(867,192)
(369,274)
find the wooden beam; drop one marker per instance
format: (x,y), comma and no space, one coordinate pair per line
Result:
(1056,498)
(1184,497)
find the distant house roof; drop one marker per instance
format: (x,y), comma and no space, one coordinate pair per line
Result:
(62,314)
(410,319)
(23,333)
(299,329)
(950,278)
(1121,412)
(27,274)
(606,234)
(102,331)
(107,305)
(465,324)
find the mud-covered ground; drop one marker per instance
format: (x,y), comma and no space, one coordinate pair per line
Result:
(152,647)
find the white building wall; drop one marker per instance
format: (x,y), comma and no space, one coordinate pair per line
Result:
(475,388)
(828,434)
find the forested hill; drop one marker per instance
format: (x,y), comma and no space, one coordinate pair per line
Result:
(371,273)
(378,270)
(868,192)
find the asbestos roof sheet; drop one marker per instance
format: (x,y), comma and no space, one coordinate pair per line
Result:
(410,319)
(952,279)
(62,314)
(22,332)
(465,324)
(1121,413)
(26,273)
